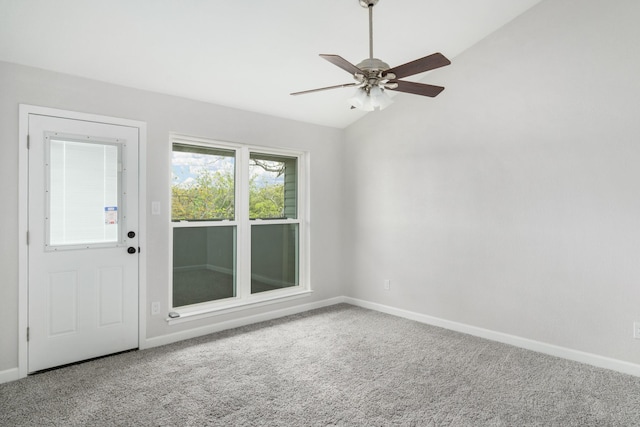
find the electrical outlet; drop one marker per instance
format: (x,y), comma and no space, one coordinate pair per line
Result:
(155,208)
(387,284)
(155,308)
(636,330)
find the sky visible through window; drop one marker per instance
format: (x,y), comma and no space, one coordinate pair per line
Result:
(204,181)
(186,167)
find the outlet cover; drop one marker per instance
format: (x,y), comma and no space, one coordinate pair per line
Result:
(155,208)
(387,284)
(155,308)
(636,330)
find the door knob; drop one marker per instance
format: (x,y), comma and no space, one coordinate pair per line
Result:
(131,234)
(131,250)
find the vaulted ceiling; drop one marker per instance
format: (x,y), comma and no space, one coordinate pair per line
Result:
(243,54)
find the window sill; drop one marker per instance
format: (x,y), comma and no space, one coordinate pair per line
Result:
(203,313)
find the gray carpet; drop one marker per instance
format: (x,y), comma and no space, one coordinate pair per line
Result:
(337,366)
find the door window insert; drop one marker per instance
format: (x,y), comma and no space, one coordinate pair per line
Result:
(76,214)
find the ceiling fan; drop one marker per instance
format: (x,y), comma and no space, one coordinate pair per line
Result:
(374,76)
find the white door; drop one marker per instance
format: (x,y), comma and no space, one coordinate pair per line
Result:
(83,250)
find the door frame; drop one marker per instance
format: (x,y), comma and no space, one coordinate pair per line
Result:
(23,218)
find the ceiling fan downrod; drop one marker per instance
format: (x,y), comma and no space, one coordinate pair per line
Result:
(372,66)
(369,5)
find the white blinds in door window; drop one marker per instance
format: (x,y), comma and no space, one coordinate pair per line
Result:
(77,214)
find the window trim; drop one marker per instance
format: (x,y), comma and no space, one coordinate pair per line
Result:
(244,299)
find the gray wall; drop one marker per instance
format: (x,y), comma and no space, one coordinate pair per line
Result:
(512,201)
(163,114)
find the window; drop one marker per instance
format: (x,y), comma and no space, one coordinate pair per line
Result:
(238,229)
(274,247)
(203,184)
(77,214)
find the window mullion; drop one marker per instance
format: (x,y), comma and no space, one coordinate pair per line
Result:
(244,227)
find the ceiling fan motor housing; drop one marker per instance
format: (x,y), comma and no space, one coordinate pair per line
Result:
(374,69)
(373,64)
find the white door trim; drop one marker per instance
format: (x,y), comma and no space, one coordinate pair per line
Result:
(23,218)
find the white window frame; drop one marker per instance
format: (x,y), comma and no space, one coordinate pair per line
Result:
(244,299)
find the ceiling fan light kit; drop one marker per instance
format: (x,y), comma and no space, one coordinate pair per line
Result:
(375,99)
(374,76)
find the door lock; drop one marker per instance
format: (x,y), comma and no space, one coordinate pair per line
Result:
(131,250)
(131,234)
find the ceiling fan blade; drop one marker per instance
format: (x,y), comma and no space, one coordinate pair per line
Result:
(421,65)
(325,88)
(416,88)
(342,63)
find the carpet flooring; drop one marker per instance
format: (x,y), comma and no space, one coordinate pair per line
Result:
(336,366)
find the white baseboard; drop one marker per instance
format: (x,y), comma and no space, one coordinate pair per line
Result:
(552,350)
(540,347)
(9,375)
(236,323)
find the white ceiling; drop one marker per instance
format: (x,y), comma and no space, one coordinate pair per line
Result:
(243,54)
